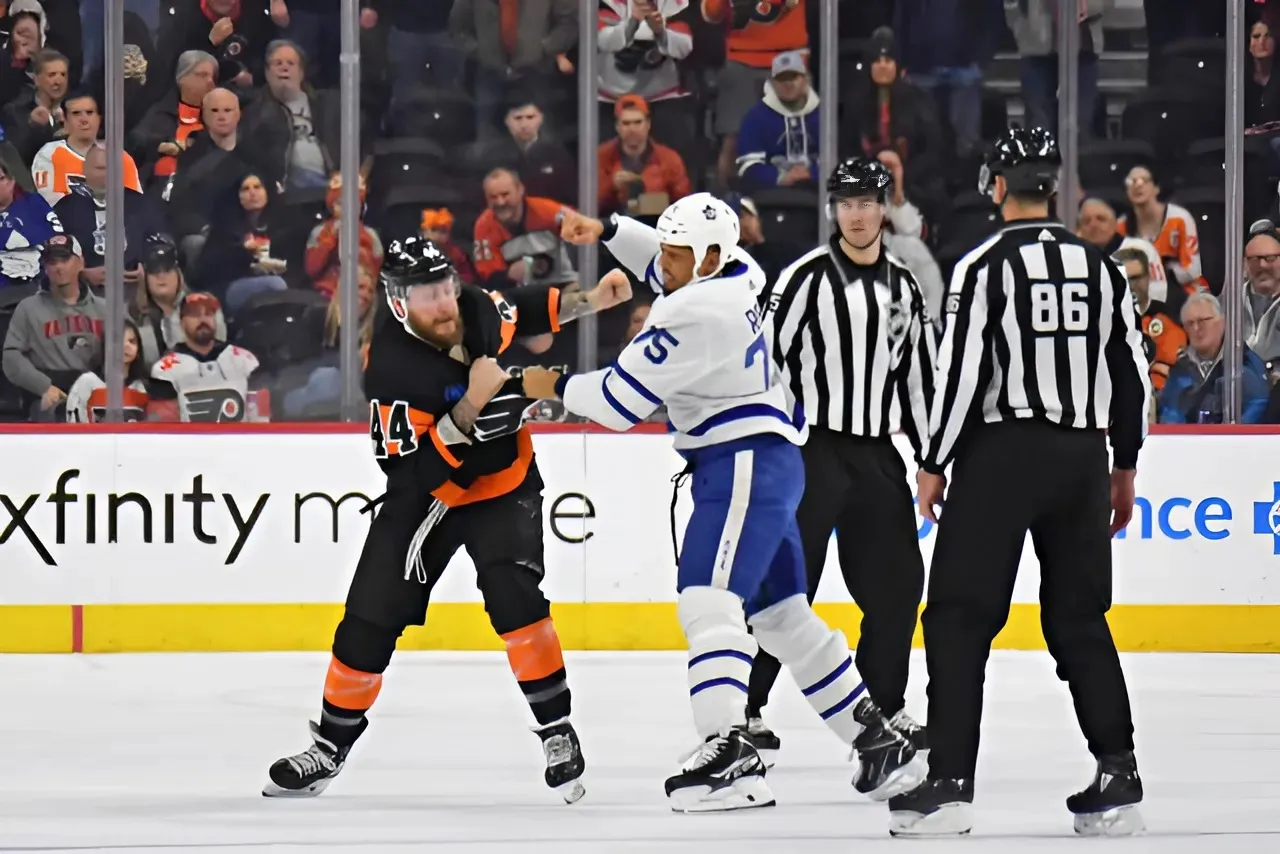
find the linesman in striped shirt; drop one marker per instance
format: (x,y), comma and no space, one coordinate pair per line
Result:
(1041,361)
(853,341)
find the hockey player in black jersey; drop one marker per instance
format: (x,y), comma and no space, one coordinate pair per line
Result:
(446,426)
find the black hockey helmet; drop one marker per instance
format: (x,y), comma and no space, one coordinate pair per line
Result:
(410,263)
(1027,158)
(860,176)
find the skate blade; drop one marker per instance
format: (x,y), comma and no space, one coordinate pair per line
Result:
(271,790)
(571,791)
(1121,821)
(745,793)
(901,780)
(949,820)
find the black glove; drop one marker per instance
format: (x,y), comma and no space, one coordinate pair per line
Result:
(504,415)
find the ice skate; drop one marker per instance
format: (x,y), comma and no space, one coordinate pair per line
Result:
(936,808)
(564,759)
(915,733)
(887,762)
(1109,806)
(724,773)
(307,774)
(763,739)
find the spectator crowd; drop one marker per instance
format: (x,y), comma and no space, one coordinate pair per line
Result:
(469,133)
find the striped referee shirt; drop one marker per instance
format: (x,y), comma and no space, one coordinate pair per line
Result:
(1039,324)
(852,340)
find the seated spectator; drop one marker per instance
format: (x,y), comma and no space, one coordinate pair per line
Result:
(296,131)
(437,226)
(167,129)
(233,31)
(1097,224)
(26,223)
(323,391)
(517,240)
(87,399)
(55,334)
(35,117)
(1261,85)
(83,214)
(778,143)
(887,112)
(209,168)
(531,150)
(1170,228)
(237,259)
(59,163)
(757,34)
(1262,290)
(904,237)
(209,379)
(513,44)
(157,301)
(640,50)
(1167,336)
(26,38)
(1193,393)
(638,176)
(772,257)
(322,261)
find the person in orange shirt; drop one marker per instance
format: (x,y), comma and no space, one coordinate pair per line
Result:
(632,163)
(60,161)
(517,240)
(1170,228)
(1168,336)
(163,133)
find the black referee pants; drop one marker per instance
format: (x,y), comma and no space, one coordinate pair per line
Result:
(858,487)
(1013,478)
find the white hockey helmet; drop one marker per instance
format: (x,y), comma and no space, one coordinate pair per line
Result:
(699,222)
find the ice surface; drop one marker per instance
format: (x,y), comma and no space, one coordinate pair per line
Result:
(163,753)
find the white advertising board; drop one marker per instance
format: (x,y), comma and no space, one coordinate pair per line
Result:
(102,518)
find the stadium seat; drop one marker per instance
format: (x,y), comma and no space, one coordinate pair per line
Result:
(1107,162)
(789,216)
(1193,64)
(282,328)
(295,214)
(403,161)
(1207,207)
(1169,119)
(972,219)
(1204,166)
(400,215)
(445,116)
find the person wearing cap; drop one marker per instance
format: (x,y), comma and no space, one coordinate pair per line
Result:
(633,165)
(157,300)
(55,334)
(437,226)
(209,378)
(778,143)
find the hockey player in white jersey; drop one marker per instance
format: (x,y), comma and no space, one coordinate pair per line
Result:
(704,352)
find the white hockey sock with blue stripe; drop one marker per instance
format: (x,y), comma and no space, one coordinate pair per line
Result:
(720,656)
(818,659)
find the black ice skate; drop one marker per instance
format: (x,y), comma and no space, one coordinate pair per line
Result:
(914,732)
(936,808)
(887,762)
(1109,807)
(564,759)
(307,774)
(763,739)
(724,773)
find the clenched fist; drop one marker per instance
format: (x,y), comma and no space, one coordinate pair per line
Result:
(614,289)
(580,229)
(486,377)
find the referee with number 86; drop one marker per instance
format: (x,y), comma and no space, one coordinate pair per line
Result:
(1041,361)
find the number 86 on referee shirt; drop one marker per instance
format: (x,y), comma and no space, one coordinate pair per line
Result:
(1062,308)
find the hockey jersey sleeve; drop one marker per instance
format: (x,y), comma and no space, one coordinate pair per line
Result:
(636,247)
(537,308)
(663,359)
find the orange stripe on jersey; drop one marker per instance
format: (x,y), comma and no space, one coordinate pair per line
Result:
(491,485)
(422,423)
(553,308)
(508,327)
(534,651)
(353,690)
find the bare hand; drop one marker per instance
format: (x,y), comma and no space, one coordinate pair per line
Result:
(132,277)
(929,491)
(223,28)
(95,276)
(641,10)
(795,174)
(40,116)
(579,229)
(540,383)
(368,18)
(487,376)
(891,160)
(622,179)
(656,23)
(244,78)
(279,13)
(564,63)
(1122,497)
(614,289)
(52,397)
(170,149)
